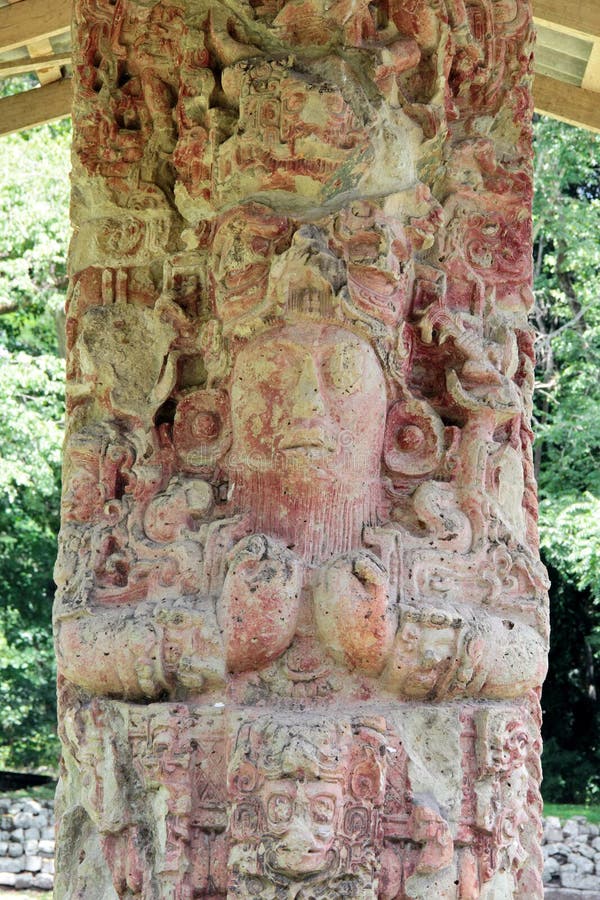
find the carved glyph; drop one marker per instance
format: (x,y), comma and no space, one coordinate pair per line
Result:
(301,621)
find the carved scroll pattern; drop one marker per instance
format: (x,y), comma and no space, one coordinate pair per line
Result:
(298,473)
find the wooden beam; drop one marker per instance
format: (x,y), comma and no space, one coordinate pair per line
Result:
(33,20)
(591,79)
(26,64)
(578,16)
(42,47)
(37,50)
(30,108)
(567,102)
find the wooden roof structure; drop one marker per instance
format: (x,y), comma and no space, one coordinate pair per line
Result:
(35,37)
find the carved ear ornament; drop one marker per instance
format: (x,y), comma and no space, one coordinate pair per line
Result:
(367,778)
(414,439)
(202,428)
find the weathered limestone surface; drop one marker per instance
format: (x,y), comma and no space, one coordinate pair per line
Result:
(571,851)
(301,621)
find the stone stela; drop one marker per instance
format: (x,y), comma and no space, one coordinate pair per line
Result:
(301,621)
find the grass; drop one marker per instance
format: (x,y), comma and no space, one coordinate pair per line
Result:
(39,792)
(566,811)
(7,894)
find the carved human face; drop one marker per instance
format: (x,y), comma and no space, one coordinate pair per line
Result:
(377,253)
(302,818)
(83,497)
(423,654)
(175,512)
(244,245)
(508,747)
(309,398)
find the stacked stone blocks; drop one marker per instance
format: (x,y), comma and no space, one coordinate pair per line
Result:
(26,843)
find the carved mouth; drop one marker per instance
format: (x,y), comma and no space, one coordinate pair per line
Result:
(424,682)
(308,439)
(293,863)
(315,865)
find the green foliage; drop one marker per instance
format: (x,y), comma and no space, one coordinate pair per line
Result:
(34,194)
(567,315)
(34,202)
(31,391)
(17,84)
(571,722)
(571,537)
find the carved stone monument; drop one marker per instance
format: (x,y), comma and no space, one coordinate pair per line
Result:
(301,621)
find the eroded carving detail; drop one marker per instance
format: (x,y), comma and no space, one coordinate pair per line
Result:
(301,621)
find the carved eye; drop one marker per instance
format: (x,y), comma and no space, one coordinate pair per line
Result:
(333,102)
(279,809)
(322,809)
(269,113)
(261,246)
(295,101)
(410,633)
(344,368)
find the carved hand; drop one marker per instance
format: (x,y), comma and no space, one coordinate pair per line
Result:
(260,602)
(354,611)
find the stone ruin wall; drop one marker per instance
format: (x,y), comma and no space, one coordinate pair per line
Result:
(301,621)
(26,843)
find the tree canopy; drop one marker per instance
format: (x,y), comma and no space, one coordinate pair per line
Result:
(34,202)
(567,425)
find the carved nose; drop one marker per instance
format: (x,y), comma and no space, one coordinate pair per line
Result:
(433,657)
(299,838)
(308,401)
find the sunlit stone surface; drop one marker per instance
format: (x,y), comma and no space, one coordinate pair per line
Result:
(301,621)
